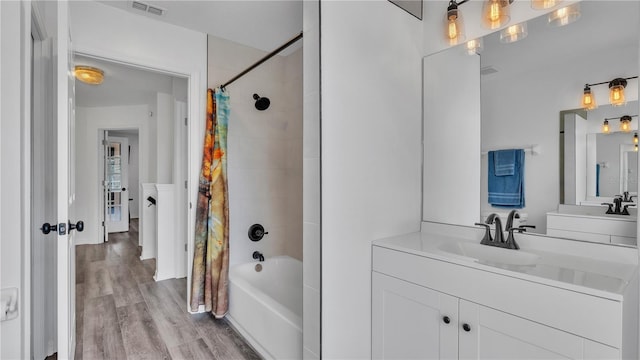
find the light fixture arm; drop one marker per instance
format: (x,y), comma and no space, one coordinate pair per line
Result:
(607,82)
(620,117)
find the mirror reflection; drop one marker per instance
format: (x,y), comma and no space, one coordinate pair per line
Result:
(531,92)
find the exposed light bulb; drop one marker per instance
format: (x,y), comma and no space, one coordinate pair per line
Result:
(514,33)
(635,147)
(474,46)
(588,99)
(565,15)
(635,139)
(544,4)
(605,127)
(616,92)
(454,28)
(495,13)
(625,123)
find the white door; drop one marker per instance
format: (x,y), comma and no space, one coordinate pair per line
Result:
(65,187)
(116,179)
(411,321)
(492,334)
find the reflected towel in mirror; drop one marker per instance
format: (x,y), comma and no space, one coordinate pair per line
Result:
(506,191)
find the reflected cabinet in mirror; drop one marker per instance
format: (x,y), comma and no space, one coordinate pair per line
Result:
(530,98)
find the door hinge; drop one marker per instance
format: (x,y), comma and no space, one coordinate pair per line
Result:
(190,206)
(186,121)
(185,184)
(103,223)
(185,247)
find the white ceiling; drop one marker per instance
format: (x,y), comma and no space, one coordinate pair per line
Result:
(123,85)
(261,24)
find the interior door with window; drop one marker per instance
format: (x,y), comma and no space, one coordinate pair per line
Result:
(116,175)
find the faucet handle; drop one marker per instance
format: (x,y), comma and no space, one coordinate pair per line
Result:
(625,210)
(609,209)
(487,234)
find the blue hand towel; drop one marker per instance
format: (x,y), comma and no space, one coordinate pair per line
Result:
(504,162)
(507,191)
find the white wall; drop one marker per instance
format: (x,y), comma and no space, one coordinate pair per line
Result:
(14,180)
(552,89)
(311,181)
(371,146)
(165,118)
(264,149)
(90,121)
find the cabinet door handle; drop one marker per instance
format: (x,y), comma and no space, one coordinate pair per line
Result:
(446,319)
(466,327)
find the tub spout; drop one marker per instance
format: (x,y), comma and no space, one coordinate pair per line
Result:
(258,256)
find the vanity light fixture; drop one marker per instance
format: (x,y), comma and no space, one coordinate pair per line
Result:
(625,123)
(588,99)
(454,26)
(89,75)
(544,4)
(564,16)
(496,13)
(474,46)
(513,33)
(635,147)
(605,127)
(635,139)
(616,93)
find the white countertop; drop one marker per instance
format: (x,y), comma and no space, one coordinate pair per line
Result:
(600,276)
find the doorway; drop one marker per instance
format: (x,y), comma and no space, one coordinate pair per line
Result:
(129,134)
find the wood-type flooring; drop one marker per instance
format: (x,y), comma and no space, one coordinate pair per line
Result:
(122,313)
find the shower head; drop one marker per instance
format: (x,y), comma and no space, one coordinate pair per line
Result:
(262,103)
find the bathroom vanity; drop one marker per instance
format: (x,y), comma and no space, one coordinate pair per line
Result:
(591,223)
(439,294)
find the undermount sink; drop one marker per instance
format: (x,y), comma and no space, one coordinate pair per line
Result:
(490,254)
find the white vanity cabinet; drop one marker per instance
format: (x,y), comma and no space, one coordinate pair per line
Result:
(429,308)
(413,322)
(614,229)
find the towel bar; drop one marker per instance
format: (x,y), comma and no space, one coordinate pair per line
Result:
(531,149)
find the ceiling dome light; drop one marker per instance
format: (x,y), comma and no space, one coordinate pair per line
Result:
(89,75)
(616,92)
(454,27)
(625,123)
(588,99)
(605,127)
(495,13)
(544,4)
(565,15)
(513,33)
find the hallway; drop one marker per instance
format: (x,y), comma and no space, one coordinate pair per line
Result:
(122,313)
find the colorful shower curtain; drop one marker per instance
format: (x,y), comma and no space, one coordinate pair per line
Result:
(210,272)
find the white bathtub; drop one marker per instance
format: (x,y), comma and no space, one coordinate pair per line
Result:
(266,306)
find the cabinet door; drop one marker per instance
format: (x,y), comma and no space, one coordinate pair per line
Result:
(408,321)
(492,334)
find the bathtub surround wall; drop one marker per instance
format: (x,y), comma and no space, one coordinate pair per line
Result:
(371,155)
(265,147)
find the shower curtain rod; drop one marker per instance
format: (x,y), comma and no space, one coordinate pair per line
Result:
(259,62)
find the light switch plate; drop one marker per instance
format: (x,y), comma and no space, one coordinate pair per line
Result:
(8,304)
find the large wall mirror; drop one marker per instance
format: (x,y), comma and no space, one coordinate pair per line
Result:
(530,88)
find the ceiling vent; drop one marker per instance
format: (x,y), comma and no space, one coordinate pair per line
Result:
(140,6)
(147,8)
(487,70)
